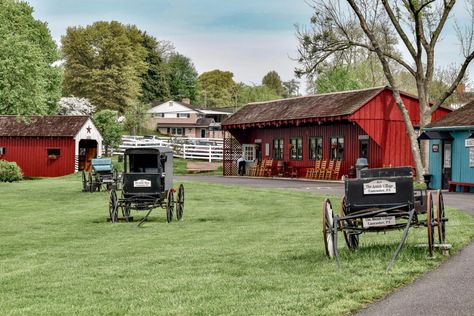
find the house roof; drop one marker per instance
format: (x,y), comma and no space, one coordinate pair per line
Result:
(461,117)
(204,121)
(51,126)
(205,111)
(156,104)
(320,106)
(214,112)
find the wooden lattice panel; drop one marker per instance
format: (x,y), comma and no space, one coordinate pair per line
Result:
(232,152)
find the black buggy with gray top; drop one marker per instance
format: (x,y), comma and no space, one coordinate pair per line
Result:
(380,200)
(147,183)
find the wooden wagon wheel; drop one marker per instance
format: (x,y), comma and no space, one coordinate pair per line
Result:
(429,223)
(91,183)
(126,208)
(180,203)
(113,206)
(352,240)
(115,183)
(84,182)
(169,206)
(328,223)
(98,182)
(440,217)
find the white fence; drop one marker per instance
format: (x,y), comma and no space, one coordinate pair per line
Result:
(209,149)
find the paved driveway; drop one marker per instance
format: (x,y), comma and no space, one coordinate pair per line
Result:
(448,290)
(461,201)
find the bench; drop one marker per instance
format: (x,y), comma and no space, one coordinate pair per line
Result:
(464,186)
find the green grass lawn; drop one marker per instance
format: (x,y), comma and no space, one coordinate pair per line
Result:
(239,251)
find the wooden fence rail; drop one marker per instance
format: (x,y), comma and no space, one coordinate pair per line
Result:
(182,148)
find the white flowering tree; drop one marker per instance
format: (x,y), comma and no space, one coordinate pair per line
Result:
(75,106)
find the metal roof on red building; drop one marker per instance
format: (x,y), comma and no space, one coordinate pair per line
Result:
(35,126)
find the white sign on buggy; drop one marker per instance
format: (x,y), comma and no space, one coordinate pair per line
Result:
(142,183)
(378,221)
(380,187)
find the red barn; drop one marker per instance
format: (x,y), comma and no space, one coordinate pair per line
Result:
(49,146)
(334,126)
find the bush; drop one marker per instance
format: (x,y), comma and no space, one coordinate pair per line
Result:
(9,171)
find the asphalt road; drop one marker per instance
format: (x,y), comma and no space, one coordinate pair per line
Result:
(448,290)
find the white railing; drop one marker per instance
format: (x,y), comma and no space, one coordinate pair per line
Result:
(210,149)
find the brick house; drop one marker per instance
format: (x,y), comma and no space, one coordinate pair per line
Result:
(184,120)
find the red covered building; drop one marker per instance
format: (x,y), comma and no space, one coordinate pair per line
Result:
(49,146)
(334,126)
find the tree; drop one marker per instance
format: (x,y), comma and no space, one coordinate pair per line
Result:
(336,79)
(110,128)
(182,77)
(104,63)
(216,88)
(247,94)
(155,80)
(135,116)
(376,26)
(352,76)
(272,80)
(29,83)
(75,106)
(292,88)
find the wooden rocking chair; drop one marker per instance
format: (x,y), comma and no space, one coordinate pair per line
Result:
(334,175)
(329,170)
(311,173)
(322,171)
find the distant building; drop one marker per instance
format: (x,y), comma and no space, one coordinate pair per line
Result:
(49,146)
(181,119)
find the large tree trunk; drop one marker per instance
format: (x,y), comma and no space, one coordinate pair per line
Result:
(413,137)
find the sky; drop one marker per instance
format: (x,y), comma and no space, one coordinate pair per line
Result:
(247,37)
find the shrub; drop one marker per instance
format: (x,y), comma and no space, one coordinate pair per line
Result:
(9,171)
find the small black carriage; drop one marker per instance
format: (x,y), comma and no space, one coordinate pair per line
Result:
(147,183)
(102,176)
(380,200)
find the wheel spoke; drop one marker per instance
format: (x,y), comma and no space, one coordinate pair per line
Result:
(440,214)
(429,224)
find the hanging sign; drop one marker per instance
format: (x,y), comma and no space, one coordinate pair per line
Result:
(380,187)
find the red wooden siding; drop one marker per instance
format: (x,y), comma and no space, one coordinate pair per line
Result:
(30,153)
(381,119)
(349,131)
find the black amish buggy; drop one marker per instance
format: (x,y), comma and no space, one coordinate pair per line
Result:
(102,176)
(383,199)
(147,183)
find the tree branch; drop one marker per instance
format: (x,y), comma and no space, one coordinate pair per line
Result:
(389,55)
(447,9)
(419,31)
(399,29)
(456,82)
